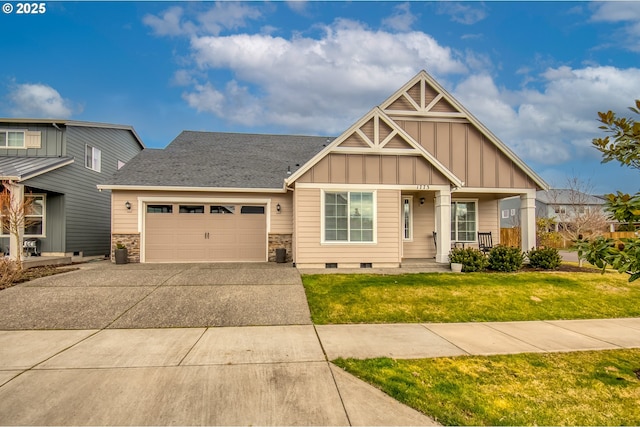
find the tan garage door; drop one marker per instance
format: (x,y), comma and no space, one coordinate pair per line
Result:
(205,232)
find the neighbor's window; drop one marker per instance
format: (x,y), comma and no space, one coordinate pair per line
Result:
(34,217)
(348,216)
(505,213)
(463,221)
(11,139)
(92,158)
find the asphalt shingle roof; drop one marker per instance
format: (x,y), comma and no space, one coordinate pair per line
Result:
(222,160)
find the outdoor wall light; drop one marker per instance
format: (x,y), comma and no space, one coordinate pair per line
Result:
(127,205)
(422,200)
(278,207)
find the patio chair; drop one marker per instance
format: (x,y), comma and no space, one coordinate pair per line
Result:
(485,242)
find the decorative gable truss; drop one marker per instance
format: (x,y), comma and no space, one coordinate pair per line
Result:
(419,97)
(376,134)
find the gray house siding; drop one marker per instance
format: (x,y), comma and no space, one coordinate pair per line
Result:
(52,142)
(89,210)
(78,216)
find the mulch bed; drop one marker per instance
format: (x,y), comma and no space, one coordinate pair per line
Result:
(36,273)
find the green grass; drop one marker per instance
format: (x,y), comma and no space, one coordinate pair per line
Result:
(469,297)
(582,388)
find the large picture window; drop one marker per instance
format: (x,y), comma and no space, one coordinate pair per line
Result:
(349,216)
(463,221)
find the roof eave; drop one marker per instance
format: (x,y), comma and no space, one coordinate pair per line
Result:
(120,187)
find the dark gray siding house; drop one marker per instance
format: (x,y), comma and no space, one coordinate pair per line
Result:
(59,163)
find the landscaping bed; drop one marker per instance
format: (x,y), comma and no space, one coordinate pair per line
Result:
(9,277)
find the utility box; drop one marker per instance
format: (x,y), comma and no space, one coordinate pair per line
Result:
(281,255)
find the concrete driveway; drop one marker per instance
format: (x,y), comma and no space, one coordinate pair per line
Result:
(104,295)
(143,345)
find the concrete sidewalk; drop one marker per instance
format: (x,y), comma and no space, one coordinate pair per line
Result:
(266,375)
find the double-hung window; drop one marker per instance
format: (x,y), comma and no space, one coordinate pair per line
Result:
(11,139)
(349,216)
(464,220)
(92,158)
(34,216)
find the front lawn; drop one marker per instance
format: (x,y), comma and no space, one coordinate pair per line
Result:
(469,297)
(582,388)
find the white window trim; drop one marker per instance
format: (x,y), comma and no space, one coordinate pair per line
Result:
(348,242)
(24,139)
(93,159)
(410,199)
(44,219)
(505,214)
(475,235)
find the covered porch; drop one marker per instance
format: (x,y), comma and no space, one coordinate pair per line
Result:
(434,221)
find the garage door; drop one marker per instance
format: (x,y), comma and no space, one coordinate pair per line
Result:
(205,232)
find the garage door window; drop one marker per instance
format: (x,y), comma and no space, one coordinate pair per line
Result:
(252,210)
(167,209)
(192,209)
(222,209)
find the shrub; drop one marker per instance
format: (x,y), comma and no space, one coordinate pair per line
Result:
(470,258)
(545,258)
(505,258)
(10,272)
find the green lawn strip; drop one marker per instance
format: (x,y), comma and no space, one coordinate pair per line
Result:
(580,388)
(469,297)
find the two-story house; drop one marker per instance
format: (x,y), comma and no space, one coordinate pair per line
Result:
(58,164)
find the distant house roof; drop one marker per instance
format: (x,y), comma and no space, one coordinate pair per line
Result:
(219,160)
(567,197)
(77,123)
(22,168)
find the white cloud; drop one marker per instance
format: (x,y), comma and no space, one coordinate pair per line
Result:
(350,68)
(221,16)
(38,100)
(624,13)
(556,123)
(402,19)
(463,13)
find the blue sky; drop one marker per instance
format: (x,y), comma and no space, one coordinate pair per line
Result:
(535,73)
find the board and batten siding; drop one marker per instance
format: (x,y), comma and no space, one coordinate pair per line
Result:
(461,148)
(311,252)
(126,222)
(51,141)
(373,169)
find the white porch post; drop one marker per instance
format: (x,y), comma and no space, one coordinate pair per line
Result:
(15,242)
(528,220)
(443,225)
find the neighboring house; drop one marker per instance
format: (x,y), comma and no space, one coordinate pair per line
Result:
(558,204)
(372,197)
(58,163)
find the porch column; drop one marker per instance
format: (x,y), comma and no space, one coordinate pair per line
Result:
(443,225)
(17,197)
(528,220)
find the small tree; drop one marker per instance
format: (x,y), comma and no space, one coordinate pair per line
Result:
(15,216)
(576,213)
(624,256)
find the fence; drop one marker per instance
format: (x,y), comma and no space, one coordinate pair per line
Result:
(511,237)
